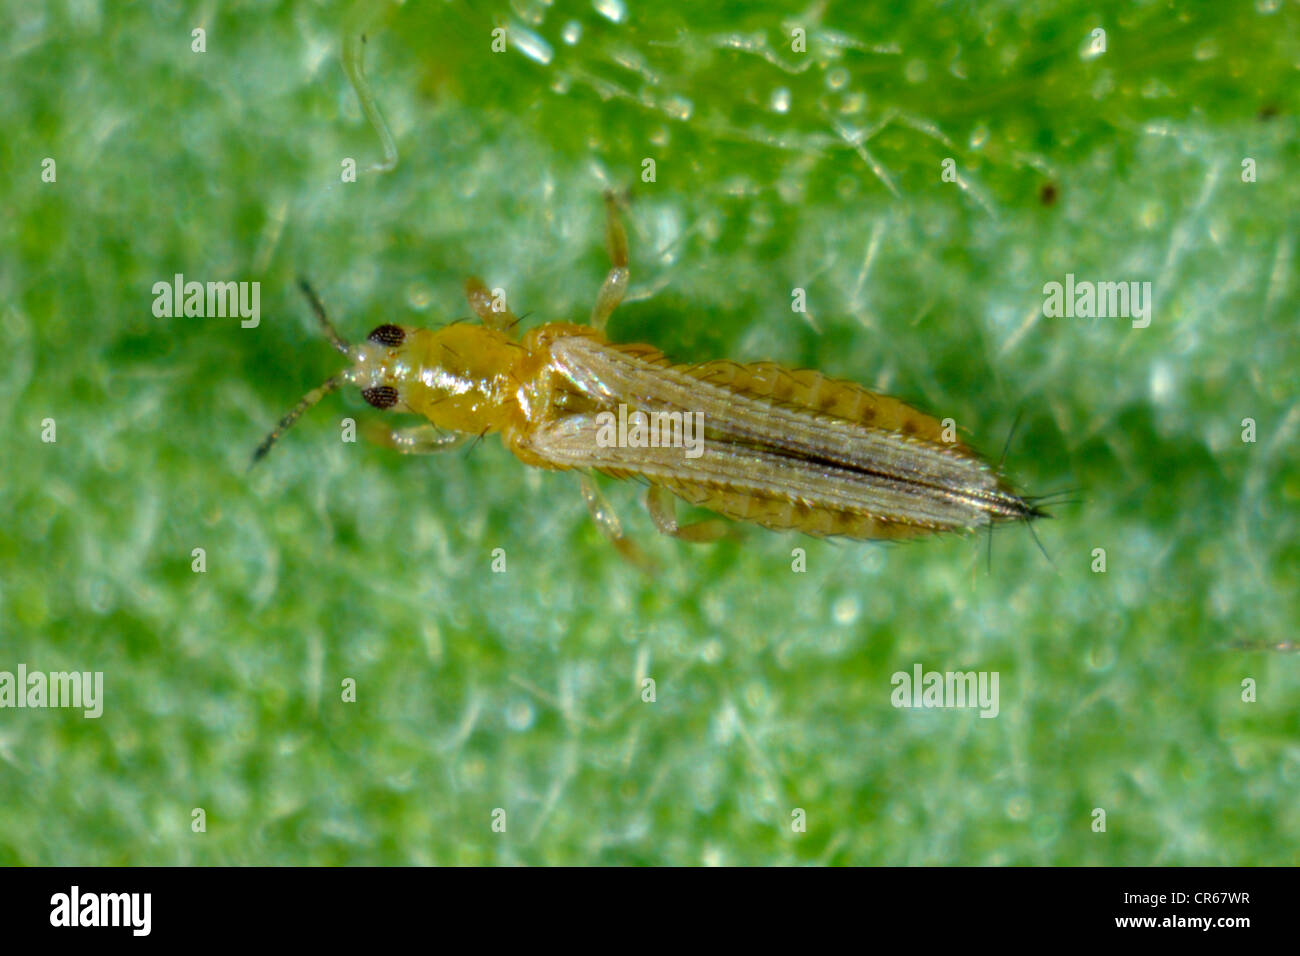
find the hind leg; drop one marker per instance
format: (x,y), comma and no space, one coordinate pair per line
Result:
(663,512)
(415,440)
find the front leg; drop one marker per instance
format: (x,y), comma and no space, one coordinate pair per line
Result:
(495,315)
(416,439)
(663,512)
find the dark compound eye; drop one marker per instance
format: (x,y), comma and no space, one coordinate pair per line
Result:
(381,396)
(387,335)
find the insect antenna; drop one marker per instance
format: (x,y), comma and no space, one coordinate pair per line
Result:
(320,391)
(331,333)
(307,401)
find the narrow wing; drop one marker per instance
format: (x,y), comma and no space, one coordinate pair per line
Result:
(784,449)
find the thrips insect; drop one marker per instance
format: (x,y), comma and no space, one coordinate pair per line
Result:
(785,449)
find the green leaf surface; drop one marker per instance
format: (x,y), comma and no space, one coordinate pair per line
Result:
(775,170)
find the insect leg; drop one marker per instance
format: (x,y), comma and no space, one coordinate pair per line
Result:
(483,302)
(615,284)
(663,512)
(609,525)
(416,439)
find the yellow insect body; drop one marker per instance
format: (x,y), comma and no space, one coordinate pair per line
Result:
(784,449)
